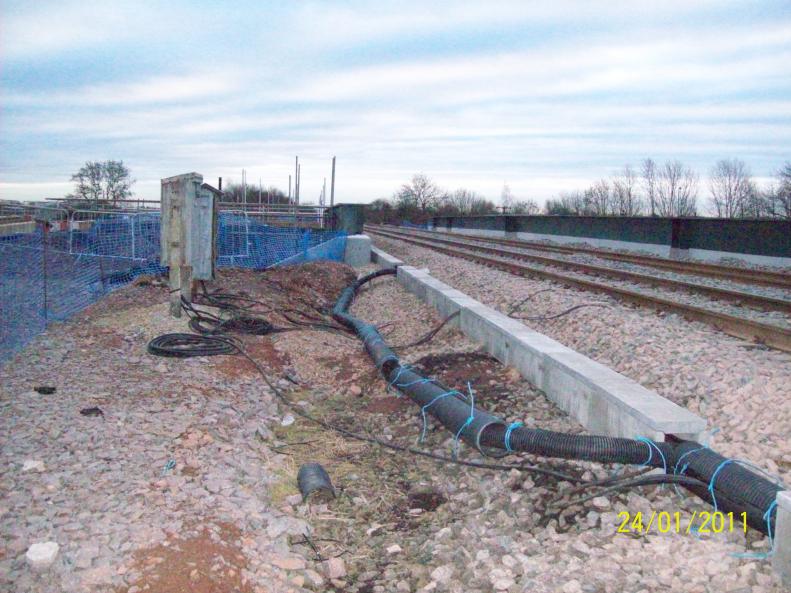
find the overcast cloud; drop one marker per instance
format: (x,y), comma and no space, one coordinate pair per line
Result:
(543,96)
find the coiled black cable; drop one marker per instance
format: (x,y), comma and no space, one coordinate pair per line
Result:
(189,345)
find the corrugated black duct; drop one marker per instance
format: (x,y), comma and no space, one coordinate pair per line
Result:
(732,487)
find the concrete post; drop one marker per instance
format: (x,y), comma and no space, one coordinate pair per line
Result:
(781,559)
(187,234)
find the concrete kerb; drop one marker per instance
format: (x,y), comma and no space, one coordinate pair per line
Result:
(781,558)
(385,260)
(602,400)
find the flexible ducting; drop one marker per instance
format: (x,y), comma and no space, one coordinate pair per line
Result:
(733,487)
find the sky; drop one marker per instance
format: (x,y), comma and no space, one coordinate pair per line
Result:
(543,96)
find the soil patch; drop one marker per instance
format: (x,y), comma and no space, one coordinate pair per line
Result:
(490,381)
(210,562)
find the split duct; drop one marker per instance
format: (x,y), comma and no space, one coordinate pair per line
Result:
(725,483)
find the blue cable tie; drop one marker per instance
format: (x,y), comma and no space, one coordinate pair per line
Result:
(169,466)
(401,369)
(650,450)
(653,445)
(684,467)
(466,423)
(508,432)
(768,518)
(428,405)
(714,477)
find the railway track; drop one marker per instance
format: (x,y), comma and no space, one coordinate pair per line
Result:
(743,275)
(770,335)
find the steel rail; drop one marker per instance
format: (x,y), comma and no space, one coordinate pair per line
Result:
(745,275)
(769,335)
(737,296)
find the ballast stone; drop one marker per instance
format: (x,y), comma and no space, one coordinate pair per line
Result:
(40,556)
(33,465)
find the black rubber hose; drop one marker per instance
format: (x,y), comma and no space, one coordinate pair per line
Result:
(733,487)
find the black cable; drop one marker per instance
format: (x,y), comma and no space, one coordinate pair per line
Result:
(516,307)
(430,335)
(189,345)
(561,314)
(654,479)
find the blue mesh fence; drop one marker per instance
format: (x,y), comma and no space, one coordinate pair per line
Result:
(48,275)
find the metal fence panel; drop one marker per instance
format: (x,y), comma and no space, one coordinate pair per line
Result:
(54,264)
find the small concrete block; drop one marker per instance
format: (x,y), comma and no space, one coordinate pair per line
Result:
(358,250)
(781,559)
(41,556)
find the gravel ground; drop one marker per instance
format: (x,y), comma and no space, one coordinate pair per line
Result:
(743,310)
(589,258)
(226,515)
(732,261)
(742,389)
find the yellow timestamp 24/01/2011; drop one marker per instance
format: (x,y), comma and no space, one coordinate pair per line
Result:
(666,522)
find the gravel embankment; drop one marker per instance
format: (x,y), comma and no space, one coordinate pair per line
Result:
(742,389)
(711,303)
(227,517)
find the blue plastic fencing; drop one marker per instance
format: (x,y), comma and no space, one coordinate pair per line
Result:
(49,275)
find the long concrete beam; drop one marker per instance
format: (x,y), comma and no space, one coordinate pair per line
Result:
(599,398)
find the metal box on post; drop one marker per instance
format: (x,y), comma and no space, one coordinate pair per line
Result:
(187,234)
(348,217)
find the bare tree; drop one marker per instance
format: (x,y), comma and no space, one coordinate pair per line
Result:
(567,204)
(528,207)
(732,190)
(464,202)
(676,190)
(421,192)
(626,201)
(649,180)
(107,181)
(778,198)
(598,198)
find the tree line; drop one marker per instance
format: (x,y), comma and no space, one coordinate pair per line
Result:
(670,189)
(421,198)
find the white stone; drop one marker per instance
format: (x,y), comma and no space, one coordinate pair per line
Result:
(335,568)
(394,549)
(30,465)
(287,420)
(41,556)
(442,574)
